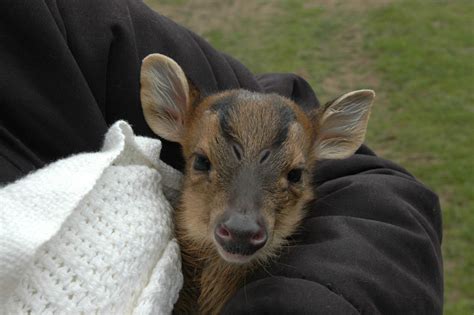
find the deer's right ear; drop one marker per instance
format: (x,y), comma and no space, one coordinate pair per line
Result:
(164,96)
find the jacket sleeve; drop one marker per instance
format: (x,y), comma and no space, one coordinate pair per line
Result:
(70,69)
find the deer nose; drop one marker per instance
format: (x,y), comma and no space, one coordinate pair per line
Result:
(241,234)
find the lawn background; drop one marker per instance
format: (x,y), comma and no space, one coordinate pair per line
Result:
(418,57)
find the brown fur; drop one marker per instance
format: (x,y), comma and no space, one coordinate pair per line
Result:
(252,141)
(209,280)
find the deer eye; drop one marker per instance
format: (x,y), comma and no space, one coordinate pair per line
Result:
(201,163)
(294,176)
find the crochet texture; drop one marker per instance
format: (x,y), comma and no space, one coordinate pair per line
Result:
(92,233)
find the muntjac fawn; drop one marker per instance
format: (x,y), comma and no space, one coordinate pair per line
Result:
(249,159)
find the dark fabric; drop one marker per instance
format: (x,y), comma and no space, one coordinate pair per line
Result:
(69,69)
(290,85)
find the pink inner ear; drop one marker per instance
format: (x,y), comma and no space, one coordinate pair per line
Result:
(173,115)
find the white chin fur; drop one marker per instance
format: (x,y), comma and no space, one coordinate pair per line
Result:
(234,258)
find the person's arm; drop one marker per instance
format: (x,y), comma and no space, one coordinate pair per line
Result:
(70,69)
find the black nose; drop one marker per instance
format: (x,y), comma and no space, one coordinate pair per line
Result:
(241,234)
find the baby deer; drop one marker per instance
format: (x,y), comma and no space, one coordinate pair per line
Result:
(249,159)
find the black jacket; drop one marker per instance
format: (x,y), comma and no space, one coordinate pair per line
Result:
(69,69)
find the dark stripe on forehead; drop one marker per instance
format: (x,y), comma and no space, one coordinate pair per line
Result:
(226,105)
(224,108)
(287,116)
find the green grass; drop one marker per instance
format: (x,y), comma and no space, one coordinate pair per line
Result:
(417,55)
(424,54)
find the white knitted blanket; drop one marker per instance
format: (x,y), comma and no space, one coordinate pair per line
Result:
(92,233)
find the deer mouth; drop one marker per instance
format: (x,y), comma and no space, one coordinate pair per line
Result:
(234,255)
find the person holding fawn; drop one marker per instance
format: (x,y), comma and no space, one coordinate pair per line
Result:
(283,209)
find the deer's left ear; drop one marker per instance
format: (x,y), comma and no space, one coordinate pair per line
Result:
(342,124)
(165,96)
